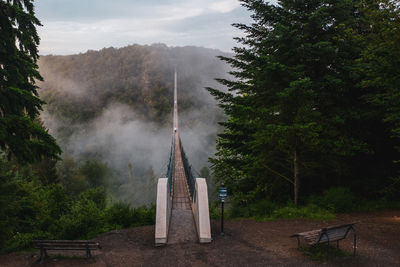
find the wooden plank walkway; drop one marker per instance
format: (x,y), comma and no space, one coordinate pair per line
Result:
(181,227)
(180,200)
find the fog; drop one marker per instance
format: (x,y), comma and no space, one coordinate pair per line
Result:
(124,136)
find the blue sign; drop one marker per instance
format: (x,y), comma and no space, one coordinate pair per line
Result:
(222,193)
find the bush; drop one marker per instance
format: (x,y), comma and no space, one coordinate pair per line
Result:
(260,208)
(119,215)
(144,216)
(310,212)
(84,221)
(30,210)
(336,199)
(97,195)
(215,210)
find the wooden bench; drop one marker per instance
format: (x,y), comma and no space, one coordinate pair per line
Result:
(327,235)
(45,245)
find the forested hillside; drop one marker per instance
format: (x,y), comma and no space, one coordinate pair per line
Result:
(113,110)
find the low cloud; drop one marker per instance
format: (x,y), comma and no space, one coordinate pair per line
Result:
(73,27)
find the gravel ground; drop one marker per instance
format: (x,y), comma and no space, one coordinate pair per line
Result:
(246,243)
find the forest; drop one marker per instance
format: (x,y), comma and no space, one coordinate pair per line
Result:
(313,114)
(301,120)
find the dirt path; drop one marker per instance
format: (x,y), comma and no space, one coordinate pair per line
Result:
(246,243)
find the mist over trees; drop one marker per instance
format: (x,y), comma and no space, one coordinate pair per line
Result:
(314,106)
(114,107)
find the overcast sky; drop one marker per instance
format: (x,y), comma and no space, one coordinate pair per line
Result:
(74,26)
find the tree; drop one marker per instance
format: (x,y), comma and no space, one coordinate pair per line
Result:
(379,63)
(379,67)
(20,136)
(293,98)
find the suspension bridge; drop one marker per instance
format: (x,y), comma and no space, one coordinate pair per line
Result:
(182,213)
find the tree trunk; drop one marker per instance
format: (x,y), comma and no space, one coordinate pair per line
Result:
(296,176)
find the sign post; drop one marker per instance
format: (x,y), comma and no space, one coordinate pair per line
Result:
(222,193)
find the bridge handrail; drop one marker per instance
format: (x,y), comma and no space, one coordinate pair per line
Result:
(171,165)
(188,171)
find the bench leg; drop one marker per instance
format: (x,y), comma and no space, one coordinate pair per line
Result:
(88,254)
(42,254)
(327,255)
(355,243)
(298,242)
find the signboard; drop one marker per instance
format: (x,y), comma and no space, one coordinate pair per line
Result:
(222,193)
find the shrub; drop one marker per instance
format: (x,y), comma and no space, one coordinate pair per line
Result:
(259,208)
(310,212)
(215,210)
(83,222)
(144,216)
(262,208)
(119,215)
(97,195)
(87,216)
(336,199)
(238,211)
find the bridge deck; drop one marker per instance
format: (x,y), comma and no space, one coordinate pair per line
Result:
(180,200)
(182,227)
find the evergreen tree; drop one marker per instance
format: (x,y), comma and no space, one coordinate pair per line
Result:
(294,110)
(20,136)
(379,69)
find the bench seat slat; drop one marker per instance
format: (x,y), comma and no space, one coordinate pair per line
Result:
(66,248)
(63,242)
(72,247)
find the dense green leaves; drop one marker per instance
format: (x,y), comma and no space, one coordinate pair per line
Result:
(20,136)
(314,100)
(31,210)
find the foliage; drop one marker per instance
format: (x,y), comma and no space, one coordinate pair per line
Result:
(20,136)
(78,177)
(138,76)
(260,208)
(215,210)
(95,172)
(310,107)
(336,199)
(267,210)
(85,220)
(30,210)
(310,212)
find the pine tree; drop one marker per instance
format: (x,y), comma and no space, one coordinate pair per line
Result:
(380,59)
(20,136)
(293,96)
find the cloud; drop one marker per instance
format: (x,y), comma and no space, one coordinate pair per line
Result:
(76,26)
(225,6)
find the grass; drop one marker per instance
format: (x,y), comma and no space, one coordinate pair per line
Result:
(311,212)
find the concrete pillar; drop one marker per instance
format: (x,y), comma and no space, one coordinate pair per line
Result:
(163,212)
(201,212)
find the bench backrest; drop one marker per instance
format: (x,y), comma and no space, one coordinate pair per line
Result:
(334,234)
